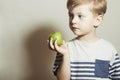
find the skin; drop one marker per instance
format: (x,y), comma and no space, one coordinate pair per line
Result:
(82,23)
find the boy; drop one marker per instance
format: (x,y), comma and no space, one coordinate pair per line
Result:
(87,57)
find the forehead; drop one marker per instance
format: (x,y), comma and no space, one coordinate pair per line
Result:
(85,8)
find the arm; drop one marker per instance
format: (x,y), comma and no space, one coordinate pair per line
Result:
(64,70)
(115,68)
(63,73)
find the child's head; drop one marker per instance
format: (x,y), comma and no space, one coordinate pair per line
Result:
(98,7)
(85,15)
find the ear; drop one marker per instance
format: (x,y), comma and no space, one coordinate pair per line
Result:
(98,20)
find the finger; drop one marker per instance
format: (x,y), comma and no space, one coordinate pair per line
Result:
(63,44)
(51,44)
(58,48)
(56,45)
(48,43)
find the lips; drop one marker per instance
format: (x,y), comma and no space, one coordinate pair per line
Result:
(74,27)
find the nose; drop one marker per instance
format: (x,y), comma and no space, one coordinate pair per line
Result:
(74,20)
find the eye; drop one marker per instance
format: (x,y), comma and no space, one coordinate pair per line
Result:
(71,16)
(80,16)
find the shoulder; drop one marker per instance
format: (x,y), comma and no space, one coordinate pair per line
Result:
(71,42)
(108,45)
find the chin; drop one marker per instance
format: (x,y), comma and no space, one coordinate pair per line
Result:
(76,32)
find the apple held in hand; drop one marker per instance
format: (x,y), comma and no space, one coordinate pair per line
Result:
(57,36)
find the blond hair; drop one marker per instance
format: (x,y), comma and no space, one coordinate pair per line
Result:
(98,6)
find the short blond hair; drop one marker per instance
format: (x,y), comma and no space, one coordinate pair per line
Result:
(98,6)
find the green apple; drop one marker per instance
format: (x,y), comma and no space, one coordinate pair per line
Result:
(57,36)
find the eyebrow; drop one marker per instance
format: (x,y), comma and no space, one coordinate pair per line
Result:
(76,13)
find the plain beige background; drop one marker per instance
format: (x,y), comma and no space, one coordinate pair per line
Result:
(24,29)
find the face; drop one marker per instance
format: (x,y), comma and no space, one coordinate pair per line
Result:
(82,20)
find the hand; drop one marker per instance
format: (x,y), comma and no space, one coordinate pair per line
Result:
(63,49)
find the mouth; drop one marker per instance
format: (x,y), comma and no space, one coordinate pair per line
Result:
(74,28)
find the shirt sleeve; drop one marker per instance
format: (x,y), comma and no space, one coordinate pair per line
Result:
(57,63)
(114,69)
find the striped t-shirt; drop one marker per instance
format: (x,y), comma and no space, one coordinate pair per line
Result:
(91,61)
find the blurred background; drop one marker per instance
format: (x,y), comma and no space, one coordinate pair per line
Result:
(24,29)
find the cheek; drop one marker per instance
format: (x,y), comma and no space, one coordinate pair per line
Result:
(86,26)
(88,23)
(88,20)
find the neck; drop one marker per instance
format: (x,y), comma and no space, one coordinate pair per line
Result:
(92,37)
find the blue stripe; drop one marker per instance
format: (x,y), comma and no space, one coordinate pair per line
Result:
(57,57)
(118,62)
(116,71)
(115,75)
(58,60)
(82,62)
(114,68)
(116,54)
(82,75)
(82,67)
(57,64)
(117,58)
(82,79)
(116,79)
(82,71)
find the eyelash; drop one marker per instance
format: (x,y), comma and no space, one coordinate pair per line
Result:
(80,16)
(72,16)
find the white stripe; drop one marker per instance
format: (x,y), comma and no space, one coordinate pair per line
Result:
(92,78)
(85,69)
(89,65)
(82,73)
(117,73)
(116,77)
(116,65)
(115,69)
(117,61)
